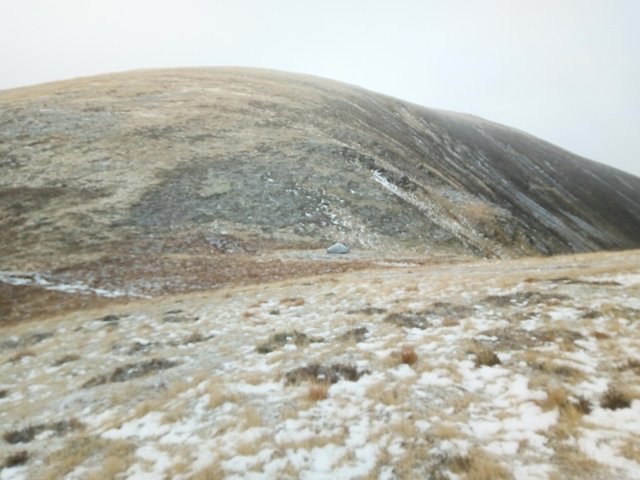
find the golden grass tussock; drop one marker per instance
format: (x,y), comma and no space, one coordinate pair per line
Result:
(557,397)
(116,456)
(292,302)
(408,355)
(600,335)
(446,431)
(16,459)
(219,395)
(632,364)
(486,357)
(549,367)
(250,417)
(570,411)
(315,441)
(631,449)
(248,449)
(19,356)
(385,394)
(484,467)
(573,463)
(615,398)
(404,428)
(317,392)
(212,472)
(450,322)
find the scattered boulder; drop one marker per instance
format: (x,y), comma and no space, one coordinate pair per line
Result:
(338,248)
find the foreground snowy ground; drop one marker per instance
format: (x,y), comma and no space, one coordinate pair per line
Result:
(495,369)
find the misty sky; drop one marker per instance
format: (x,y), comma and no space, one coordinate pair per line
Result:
(567,71)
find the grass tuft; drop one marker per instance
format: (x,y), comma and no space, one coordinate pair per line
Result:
(27,434)
(357,335)
(292,302)
(131,371)
(632,364)
(318,391)
(486,357)
(281,339)
(484,467)
(320,374)
(614,399)
(21,355)
(408,355)
(16,459)
(72,357)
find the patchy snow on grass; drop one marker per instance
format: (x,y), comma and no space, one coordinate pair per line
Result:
(334,399)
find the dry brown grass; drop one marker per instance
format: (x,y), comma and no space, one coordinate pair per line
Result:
(250,417)
(317,392)
(573,463)
(320,373)
(404,428)
(600,335)
(66,359)
(542,363)
(20,303)
(316,441)
(115,463)
(631,449)
(570,411)
(408,355)
(16,459)
(486,357)
(632,364)
(195,270)
(212,472)
(450,322)
(484,467)
(249,448)
(280,339)
(557,397)
(292,302)
(219,394)
(476,465)
(446,432)
(131,371)
(21,355)
(615,398)
(181,468)
(116,457)
(27,434)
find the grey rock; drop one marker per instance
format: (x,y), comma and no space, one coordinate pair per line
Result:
(338,248)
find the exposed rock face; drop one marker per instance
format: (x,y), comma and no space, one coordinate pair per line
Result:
(172,162)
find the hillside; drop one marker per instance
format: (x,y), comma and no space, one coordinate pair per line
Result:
(168,310)
(195,161)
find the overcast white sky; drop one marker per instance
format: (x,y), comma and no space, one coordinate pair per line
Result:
(567,71)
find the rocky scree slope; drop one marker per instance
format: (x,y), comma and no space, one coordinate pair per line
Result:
(137,168)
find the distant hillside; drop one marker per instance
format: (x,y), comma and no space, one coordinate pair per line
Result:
(175,162)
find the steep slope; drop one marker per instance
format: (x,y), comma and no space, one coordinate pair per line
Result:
(147,164)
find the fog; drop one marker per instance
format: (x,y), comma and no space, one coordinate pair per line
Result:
(567,72)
